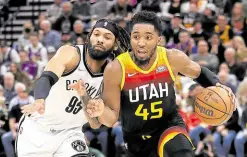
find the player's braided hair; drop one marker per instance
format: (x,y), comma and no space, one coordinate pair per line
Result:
(122,38)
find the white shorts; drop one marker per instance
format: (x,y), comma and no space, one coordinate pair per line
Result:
(33,140)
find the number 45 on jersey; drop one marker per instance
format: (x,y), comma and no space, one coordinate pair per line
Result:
(156,111)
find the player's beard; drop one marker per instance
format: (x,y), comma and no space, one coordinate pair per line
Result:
(143,62)
(98,54)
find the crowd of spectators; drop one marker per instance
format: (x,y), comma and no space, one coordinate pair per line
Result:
(212,33)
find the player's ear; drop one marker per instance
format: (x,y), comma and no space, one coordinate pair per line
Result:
(159,39)
(115,46)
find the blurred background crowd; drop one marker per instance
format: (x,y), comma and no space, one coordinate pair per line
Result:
(212,33)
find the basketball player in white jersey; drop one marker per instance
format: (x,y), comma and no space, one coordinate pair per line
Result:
(53,127)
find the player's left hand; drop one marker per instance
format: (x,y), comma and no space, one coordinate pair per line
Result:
(95,108)
(79,87)
(230,93)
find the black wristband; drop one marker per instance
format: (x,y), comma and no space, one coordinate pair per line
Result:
(207,78)
(44,84)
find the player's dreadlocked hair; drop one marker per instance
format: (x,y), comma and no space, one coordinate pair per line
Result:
(122,36)
(147,17)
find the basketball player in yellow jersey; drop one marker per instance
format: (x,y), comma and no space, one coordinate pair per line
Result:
(139,85)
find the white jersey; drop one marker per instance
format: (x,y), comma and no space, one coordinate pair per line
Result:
(63,108)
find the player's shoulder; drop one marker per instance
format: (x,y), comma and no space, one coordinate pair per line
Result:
(175,54)
(113,66)
(122,56)
(68,51)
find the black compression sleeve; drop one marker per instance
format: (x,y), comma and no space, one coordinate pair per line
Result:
(207,78)
(44,84)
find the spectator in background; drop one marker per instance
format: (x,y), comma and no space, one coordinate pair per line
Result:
(190,17)
(239,29)
(23,39)
(38,28)
(8,55)
(78,31)
(217,48)
(198,33)
(231,78)
(208,19)
(200,4)
(185,42)
(20,98)
(35,48)
(80,41)
(51,37)
(236,69)
(224,30)
(14,118)
(121,10)
(19,75)
(169,8)
(54,11)
(8,85)
(28,66)
(119,141)
(65,22)
(225,80)
(239,45)
(172,33)
(149,5)
(203,58)
(225,134)
(99,134)
(229,7)
(82,14)
(66,39)
(241,137)
(104,6)
(51,52)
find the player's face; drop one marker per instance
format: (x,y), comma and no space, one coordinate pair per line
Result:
(102,42)
(144,40)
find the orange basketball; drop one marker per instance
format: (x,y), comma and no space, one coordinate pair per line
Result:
(214,106)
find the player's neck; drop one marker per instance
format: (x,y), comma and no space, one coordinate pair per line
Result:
(93,65)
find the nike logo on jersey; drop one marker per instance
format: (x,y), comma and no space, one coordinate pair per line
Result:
(130,75)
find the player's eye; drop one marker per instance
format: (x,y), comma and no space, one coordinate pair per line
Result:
(135,37)
(107,38)
(96,34)
(149,37)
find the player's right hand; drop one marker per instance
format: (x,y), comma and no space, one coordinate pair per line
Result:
(79,87)
(95,108)
(38,105)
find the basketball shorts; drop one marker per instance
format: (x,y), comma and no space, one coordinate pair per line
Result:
(154,146)
(33,140)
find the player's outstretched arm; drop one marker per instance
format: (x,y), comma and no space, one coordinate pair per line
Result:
(65,60)
(111,94)
(181,63)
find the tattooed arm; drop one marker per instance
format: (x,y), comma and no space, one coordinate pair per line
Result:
(85,99)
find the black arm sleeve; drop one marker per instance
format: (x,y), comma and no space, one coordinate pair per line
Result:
(44,84)
(207,78)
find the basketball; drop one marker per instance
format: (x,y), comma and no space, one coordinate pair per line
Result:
(213,106)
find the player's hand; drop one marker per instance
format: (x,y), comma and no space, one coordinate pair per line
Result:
(95,108)
(230,93)
(38,105)
(79,86)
